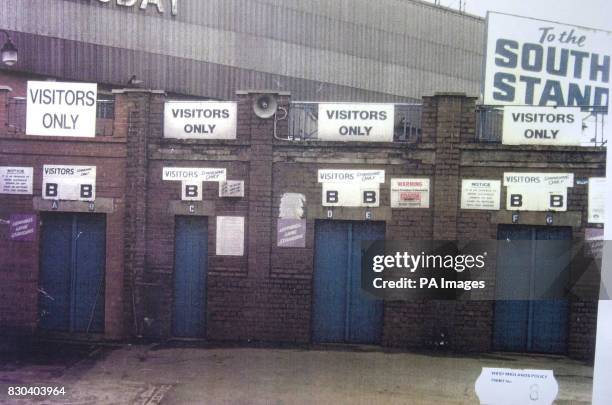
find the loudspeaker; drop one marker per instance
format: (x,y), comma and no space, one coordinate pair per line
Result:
(265,106)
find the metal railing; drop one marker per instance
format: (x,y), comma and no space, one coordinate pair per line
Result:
(303,122)
(489,124)
(105,115)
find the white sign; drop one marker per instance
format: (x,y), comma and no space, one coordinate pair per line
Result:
(540,180)
(351,176)
(351,195)
(230,236)
(542,126)
(536,62)
(409,193)
(597,192)
(194,174)
(159,5)
(200,120)
(61,109)
(231,188)
(537,191)
(76,183)
(528,198)
(16,180)
(356,122)
(191,190)
(505,386)
(480,194)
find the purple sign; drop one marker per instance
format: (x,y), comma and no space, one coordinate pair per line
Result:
(291,232)
(23,227)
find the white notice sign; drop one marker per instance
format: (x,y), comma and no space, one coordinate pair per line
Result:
(505,386)
(16,180)
(194,174)
(230,236)
(200,120)
(542,126)
(480,194)
(409,193)
(231,188)
(597,193)
(356,122)
(76,183)
(61,109)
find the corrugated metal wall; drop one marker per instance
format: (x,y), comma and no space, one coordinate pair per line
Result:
(388,50)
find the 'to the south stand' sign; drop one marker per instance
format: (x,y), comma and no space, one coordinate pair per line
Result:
(537,62)
(77,183)
(356,122)
(200,120)
(61,109)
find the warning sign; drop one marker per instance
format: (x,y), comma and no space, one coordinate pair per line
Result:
(409,193)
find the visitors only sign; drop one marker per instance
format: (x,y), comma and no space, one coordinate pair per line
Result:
(76,183)
(542,126)
(200,120)
(194,173)
(351,176)
(61,109)
(356,122)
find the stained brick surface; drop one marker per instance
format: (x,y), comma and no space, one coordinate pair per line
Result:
(266,294)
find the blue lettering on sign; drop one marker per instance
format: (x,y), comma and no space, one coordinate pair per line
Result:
(542,57)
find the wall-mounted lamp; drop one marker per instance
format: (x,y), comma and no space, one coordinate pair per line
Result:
(8,51)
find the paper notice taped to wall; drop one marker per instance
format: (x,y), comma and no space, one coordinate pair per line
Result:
(230,236)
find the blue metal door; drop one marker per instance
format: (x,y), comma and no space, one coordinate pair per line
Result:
(342,312)
(72,272)
(190,269)
(532,268)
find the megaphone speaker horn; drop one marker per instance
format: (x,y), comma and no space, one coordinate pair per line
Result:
(265,106)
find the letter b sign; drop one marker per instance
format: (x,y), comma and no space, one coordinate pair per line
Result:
(191,191)
(369,197)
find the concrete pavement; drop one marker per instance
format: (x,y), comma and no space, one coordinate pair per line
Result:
(167,375)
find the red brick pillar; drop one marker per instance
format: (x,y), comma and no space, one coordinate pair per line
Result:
(5,92)
(138,119)
(451,113)
(259,223)
(449,120)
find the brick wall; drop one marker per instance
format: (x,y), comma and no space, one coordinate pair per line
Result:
(266,294)
(19,261)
